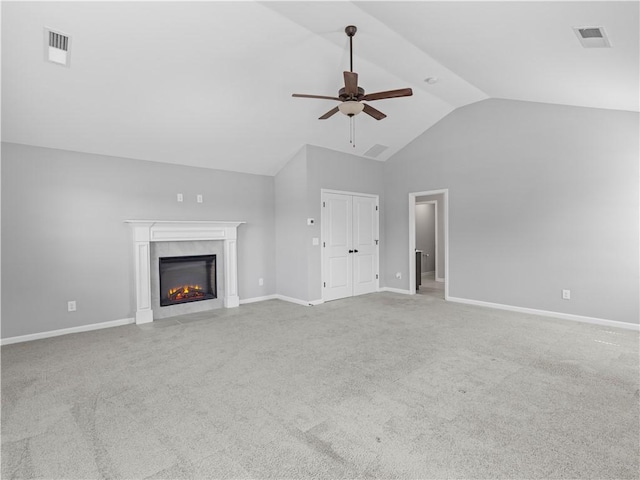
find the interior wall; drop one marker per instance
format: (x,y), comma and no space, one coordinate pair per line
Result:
(332,170)
(298,197)
(541,198)
(426,235)
(64,236)
(291,228)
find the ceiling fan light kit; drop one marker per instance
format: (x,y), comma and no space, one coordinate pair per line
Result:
(352,96)
(351,107)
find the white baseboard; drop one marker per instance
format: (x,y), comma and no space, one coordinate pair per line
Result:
(547,313)
(394,290)
(297,301)
(427,273)
(66,331)
(440,280)
(257,299)
(284,298)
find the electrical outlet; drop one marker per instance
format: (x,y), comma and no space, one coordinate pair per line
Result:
(199,199)
(566,294)
(180,197)
(261,281)
(71,306)
(398,275)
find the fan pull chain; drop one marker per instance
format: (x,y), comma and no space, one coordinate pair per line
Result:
(352,130)
(353,120)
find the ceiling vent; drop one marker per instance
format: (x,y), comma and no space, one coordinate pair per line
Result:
(592,37)
(376,150)
(57,47)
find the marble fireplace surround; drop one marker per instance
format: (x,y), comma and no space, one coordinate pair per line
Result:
(147,231)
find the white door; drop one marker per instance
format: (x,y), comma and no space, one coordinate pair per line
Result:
(336,226)
(365,245)
(350,238)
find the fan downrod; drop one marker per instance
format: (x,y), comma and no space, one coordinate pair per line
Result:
(350,30)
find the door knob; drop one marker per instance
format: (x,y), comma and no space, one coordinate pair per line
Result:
(350,251)
(355,251)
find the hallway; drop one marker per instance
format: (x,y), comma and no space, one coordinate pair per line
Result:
(430,286)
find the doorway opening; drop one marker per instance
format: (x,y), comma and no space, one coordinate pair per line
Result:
(429,242)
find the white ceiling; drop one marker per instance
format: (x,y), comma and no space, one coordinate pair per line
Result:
(209,83)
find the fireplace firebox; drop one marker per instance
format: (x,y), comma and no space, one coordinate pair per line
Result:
(187,279)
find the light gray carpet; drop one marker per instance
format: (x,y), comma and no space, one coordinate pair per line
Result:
(379,386)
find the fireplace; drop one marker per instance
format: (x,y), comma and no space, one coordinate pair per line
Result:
(160,232)
(187,279)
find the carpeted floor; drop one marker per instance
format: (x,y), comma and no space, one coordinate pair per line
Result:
(378,386)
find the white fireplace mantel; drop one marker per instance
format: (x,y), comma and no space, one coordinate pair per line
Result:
(147,231)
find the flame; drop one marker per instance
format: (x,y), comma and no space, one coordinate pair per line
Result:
(185,291)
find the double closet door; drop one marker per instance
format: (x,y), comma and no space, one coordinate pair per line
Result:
(349,245)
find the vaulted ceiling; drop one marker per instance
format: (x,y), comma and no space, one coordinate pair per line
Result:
(209,83)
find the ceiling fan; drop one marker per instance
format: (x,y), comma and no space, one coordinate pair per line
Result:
(351,95)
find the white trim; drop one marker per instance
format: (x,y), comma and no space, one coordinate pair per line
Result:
(284,298)
(258,299)
(66,331)
(547,313)
(297,301)
(439,279)
(412,238)
(343,192)
(395,290)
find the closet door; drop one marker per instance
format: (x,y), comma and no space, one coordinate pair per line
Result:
(350,245)
(337,232)
(365,249)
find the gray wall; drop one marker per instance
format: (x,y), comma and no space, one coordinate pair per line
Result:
(298,197)
(291,227)
(63,236)
(337,171)
(541,198)
(426,235)
(440,257)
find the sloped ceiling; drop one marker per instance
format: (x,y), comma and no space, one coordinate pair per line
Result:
(209,83)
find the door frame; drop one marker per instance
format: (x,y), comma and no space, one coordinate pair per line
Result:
(322,232)
(412,238)
(435,229)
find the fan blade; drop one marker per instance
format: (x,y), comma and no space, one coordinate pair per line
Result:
(377,114)
(302,95)
(351,83)
(331,112)
(403,92)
